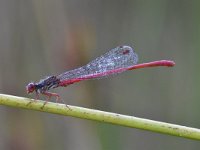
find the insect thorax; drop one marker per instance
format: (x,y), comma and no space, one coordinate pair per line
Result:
(47,83)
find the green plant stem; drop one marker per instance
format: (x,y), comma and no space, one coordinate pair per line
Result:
(91,114)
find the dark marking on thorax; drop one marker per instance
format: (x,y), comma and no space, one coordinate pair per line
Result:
(47,83)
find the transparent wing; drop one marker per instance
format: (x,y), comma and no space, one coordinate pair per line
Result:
(113,62)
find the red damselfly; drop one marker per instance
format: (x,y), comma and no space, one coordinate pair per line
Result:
(117,60)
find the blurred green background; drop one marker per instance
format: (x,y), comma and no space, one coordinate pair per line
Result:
(46,37)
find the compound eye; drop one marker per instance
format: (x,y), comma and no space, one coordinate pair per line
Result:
(30,87)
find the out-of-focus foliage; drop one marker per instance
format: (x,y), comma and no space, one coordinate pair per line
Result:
(41,38)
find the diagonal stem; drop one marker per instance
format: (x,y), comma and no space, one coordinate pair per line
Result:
(101,116)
